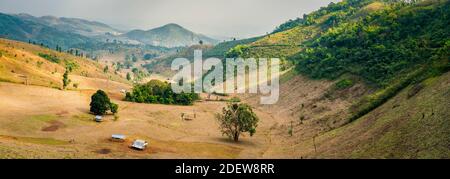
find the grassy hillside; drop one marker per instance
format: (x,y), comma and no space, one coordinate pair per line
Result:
(398,51)
(290,38)
(414,124)
(221,49)
(383,45)
(25,63)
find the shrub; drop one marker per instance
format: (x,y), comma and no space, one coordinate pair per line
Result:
(51,58)
(344,84)
(66,79)
(235,100)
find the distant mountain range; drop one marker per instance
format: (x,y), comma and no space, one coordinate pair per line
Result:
(67,32)
(19,28)
(170,35)
(72,25)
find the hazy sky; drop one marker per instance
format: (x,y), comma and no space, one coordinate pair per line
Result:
(230,18)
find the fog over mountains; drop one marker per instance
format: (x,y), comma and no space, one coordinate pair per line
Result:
(67,32)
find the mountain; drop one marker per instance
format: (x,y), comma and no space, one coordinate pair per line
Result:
(368,79)
(72,25)
(67,32)
(23,29)
(170,35)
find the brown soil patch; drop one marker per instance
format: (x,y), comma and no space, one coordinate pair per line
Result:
(103,151)
(55,125)
(62,113)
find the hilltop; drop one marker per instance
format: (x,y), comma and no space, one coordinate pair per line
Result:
(170,35)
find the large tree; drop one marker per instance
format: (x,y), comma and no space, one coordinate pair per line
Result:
(100,104)
(237,118)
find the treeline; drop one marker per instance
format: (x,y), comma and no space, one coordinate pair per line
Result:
(336,11)
(158,92)
(382,45)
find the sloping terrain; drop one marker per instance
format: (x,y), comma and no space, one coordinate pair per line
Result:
(24,63)
(414,124)
(332,105)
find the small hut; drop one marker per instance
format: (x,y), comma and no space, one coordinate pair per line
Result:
(118,138)
(188,116)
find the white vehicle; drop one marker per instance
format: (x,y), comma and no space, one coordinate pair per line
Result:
(139,144)
(98,118)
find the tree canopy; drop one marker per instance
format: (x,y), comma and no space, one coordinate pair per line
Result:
(159,92)
(237,118)
(100,104)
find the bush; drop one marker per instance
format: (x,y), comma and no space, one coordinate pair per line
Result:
(344,84)
(114,108)
(235,100)
(149,56)
(51,58)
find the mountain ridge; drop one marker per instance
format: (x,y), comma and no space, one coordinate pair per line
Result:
(169,35)
(67,32)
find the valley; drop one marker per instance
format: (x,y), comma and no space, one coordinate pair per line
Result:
(359,79)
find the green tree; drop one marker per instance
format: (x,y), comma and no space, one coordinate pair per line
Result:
(106,69)
(237,118)
(66,80)
(128,76)
(100,104)
(238,51)
(134,58)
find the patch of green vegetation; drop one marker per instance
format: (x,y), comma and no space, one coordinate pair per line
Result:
(43,118)
(51,58)
(71,65)
(159,92)
(83,117)
(45,141)
(237,51)
(343,84)
(380,46)
(235,100)
(220,49)
(220,94)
